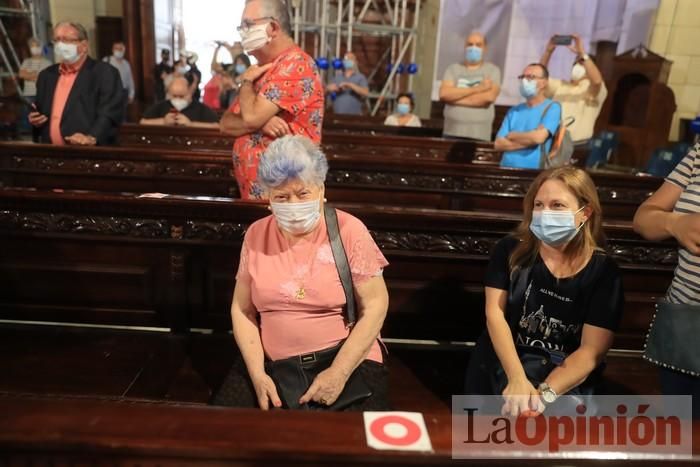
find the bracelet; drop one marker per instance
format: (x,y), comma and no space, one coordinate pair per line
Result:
(243,82)
(585,57)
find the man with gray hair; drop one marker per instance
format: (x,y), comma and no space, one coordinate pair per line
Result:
(279,96)
(79,100)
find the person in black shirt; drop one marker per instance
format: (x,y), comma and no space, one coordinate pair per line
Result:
(550,286)
(180,109)
(160,72)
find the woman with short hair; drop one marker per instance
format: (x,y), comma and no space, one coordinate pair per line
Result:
(288,300)
(404,115)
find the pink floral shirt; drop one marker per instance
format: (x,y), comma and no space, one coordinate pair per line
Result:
(290,323)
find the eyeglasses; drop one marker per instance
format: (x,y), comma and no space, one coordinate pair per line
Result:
(246,24)
(530,77)
(67,40)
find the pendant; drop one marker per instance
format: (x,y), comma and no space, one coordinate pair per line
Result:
(300,293)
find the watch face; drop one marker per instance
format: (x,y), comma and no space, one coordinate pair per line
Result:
(549,396)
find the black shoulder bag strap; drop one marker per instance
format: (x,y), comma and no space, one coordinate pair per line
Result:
(341,263)
(516,293)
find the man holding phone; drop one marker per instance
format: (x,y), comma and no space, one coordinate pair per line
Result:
(79,100)
(582,96)
(469,90)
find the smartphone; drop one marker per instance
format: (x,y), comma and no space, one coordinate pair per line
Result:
(562,40)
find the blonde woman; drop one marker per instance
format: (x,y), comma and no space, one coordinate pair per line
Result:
(550,290)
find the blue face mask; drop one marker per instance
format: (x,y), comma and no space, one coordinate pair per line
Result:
(348,64)
(554,227)
(240,68)
(473,54)
(528,88)
(403,109)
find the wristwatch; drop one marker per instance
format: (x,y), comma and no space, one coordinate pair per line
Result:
(548,394)
(242,82)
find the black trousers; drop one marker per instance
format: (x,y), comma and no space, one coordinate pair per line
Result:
(237,389)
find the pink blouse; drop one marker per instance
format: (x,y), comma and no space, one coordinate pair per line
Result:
(297,290)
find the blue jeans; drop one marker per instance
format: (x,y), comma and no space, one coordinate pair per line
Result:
(676,383)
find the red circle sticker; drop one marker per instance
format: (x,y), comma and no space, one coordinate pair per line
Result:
(378,430)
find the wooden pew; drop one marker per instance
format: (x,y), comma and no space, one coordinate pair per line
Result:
(40,431)
(411,147)
(418,183)
(120,259)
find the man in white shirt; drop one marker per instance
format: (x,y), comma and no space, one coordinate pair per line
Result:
(118,61)
(582,97)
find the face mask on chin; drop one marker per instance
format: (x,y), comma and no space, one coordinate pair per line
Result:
(256,37)
(555,227)
(297,218)
(67,53)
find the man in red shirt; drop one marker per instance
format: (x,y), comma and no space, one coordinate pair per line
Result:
(281,95)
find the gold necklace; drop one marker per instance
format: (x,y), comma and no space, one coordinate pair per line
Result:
(300,292)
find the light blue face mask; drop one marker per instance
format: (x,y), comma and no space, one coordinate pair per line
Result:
(528,88)
(555,227)
(348,64)
(403,109)
(240,68)
(473,54)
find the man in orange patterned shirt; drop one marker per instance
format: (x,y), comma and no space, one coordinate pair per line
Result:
(281,95)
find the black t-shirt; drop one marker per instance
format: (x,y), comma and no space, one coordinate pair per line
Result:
(196,111)
(554,311)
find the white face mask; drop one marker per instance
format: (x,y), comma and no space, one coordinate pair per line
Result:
(66,52)
(182,69)
(35,50)
(255,38)
(179,103)
(578,72)
(118,54)
(297,218)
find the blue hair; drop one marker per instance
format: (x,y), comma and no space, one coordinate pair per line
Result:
(289,158)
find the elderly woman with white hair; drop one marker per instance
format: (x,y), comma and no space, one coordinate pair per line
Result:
(295,339)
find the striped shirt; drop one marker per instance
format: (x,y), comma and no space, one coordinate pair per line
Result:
(685,287)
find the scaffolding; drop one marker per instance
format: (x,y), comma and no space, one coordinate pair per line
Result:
(8,54)
(331,22)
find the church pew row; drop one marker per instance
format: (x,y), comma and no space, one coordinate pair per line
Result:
(352,178)
(364,143)
(119,259)
(410,147)
(44,431)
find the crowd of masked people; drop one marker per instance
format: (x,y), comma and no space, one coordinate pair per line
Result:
(553,296)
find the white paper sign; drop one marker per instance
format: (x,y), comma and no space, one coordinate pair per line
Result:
(400,431)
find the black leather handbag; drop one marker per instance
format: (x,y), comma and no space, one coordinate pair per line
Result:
(673,340)
(294,375)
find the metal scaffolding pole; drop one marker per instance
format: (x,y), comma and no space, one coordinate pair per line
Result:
(416,16)
(340,21)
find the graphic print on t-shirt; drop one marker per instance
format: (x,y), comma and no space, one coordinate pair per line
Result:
(538,326)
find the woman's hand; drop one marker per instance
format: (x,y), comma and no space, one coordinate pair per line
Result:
(266,391)
(326,387)
(521,397)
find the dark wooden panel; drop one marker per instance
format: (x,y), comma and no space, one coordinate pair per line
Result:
(435,278)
